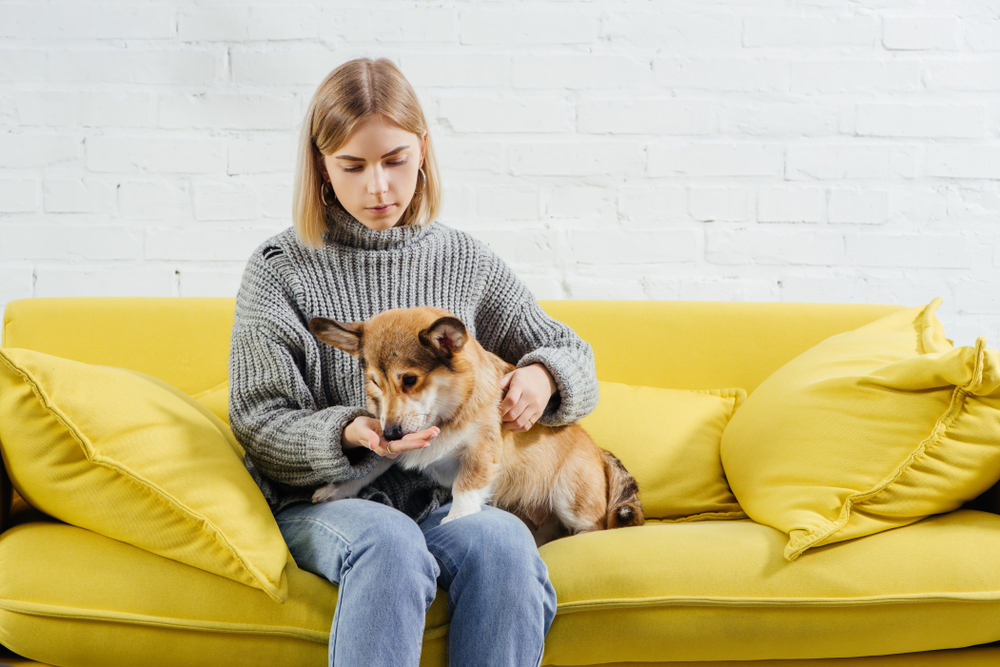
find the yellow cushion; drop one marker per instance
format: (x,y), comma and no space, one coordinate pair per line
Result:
(129,457)
(6,499)
(871,429)
(669,440)
(69,596)
(721,590)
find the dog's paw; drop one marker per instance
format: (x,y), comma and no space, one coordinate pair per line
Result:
(452,515)
(325,494)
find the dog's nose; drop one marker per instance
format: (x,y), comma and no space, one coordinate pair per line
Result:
(394,433)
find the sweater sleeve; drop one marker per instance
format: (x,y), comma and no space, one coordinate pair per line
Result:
(289,436)
(511,324)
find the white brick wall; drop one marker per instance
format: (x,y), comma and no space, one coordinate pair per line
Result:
(834,150)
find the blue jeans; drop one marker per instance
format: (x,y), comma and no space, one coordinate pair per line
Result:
(388,569)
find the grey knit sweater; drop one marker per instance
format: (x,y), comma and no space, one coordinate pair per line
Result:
(291,395)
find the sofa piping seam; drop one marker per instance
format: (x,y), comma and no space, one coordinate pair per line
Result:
(54,611)
(676,601)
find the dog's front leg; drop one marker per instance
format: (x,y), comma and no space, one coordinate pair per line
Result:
(350,489)
(474,483)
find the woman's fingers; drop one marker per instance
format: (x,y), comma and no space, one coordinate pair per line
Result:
(410,441)
(514,403)
(528,391)
(518,422)
(523,413)
(426,435)
(512,396)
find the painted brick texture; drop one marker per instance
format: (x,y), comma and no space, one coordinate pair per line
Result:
(607,149)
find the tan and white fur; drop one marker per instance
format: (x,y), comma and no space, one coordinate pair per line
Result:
(423,369)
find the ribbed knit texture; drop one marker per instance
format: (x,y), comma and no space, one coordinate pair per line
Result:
(291,395)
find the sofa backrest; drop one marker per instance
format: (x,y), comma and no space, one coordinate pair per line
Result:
(679,344)
(182,340)
(704,344)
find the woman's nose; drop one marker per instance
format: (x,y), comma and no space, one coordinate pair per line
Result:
(378,184)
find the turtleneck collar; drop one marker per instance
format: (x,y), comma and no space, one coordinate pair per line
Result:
(345,229)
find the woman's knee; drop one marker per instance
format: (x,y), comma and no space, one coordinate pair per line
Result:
(493,555)
(329,538)
(498,540)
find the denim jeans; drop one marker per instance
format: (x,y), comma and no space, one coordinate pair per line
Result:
(388,569)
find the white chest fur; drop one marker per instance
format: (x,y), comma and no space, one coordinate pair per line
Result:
(440,460)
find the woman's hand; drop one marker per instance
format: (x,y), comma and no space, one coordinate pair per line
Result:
(367,432)
(528,392)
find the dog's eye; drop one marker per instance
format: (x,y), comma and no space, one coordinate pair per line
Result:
(409,380)
(374,381)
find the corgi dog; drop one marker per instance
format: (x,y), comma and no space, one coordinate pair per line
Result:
(423,369)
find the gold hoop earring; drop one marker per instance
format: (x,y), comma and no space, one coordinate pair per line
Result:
(421,172)
(327,185)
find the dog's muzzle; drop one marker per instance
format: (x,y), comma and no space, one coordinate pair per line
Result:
(410,423)
(394,433)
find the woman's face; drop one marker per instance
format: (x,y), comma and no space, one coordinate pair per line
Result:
(374,174)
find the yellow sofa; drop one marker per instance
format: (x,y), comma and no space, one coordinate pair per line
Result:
(710,593)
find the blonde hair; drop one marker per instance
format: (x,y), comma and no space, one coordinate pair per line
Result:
(355,91)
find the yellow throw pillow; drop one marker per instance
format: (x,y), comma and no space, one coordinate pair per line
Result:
(130,457)
(871,429)
(6,499)
(669,440)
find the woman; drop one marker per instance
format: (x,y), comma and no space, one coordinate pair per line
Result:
(366,193)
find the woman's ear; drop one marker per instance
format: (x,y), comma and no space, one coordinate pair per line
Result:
(321,165)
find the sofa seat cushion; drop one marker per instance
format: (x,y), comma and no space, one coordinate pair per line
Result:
(69,596)
(660,592)
(723,591)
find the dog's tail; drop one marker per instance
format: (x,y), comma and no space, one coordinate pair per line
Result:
(624,508)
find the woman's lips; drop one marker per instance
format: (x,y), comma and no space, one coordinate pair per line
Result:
(380,209)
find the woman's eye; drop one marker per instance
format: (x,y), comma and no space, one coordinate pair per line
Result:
(392,163)
(409,380)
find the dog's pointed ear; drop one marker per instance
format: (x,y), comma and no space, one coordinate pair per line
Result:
(445,337)
(344,336)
